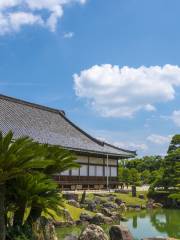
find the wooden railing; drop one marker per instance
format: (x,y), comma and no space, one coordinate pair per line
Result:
(84,180)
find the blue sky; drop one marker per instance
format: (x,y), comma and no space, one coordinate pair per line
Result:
(112,65)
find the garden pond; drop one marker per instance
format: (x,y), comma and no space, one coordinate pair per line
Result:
(146,223)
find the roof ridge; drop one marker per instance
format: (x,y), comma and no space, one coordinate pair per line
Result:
(61,112)
(82,131)
(27,103)
(116,147)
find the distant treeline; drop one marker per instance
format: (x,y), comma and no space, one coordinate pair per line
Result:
(140,170)
(161,173)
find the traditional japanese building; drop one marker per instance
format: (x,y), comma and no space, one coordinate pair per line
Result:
(98,159)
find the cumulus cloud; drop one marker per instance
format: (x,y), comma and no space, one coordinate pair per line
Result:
(121,92)
(176,117)
(159,139)
(17,13)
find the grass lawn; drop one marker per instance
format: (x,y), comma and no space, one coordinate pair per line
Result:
(126,198)
(132,200)
(76,212)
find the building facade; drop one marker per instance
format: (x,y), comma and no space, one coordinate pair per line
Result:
(98,159)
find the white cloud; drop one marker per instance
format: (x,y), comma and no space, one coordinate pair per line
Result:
(176,117)
(159,139)
(19,19)
(9,3)
(132,145)
(68,35)
(16,13)
(121,92)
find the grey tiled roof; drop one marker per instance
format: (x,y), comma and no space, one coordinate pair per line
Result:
(47,125)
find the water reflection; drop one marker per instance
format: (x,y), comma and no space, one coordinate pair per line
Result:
(167,222)
(153,223)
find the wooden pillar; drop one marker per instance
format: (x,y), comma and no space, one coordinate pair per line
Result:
(88,165)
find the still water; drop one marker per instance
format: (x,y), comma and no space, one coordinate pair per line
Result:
(153,223)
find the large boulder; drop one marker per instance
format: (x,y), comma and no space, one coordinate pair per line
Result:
(99,219)
(45,230)
(73,203)
(93,232)
(120,232)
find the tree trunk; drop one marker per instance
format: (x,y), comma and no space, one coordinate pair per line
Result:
(2,213)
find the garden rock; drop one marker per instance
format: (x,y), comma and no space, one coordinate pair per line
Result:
(93,232)
(123,219)
(118,201)
(111,198)
(120,232)
(85,217)
(110,205)
(123,207)
(67,216)
(99,219)
(157,205)
(141,196)
(73,203)
(116,216)
(91,206)
(106,212)
(45,229)
(99,201)
(71,196)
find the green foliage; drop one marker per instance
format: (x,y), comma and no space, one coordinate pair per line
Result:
(175,143)
(145,176)
(176,195)
(32,195)
(134,177)
(20,233)
(140,170)
(62,160)
(168,178)
(19,156)
(124,175)
(27,190)
(150,163)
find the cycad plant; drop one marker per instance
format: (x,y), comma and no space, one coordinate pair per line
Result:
(26,185)
(62,160)
(17,158)
(32,196)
